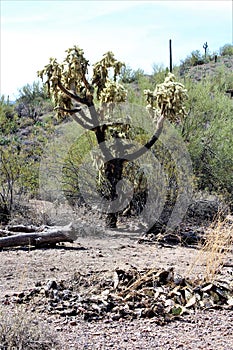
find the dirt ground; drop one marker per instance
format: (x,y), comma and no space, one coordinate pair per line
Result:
(22,268)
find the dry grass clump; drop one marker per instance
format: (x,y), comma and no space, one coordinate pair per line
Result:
(20,330)
(217,245)
(38,213)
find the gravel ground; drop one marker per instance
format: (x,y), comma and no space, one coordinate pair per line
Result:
(22,268)
(203,330)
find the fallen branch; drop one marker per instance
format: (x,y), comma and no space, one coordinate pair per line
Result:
(50,235)
(5,232)
(25,229)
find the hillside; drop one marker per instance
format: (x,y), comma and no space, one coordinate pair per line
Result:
(223,65)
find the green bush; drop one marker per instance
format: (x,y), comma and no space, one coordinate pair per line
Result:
(74,159)
(21,146)
(128,75)
(221,80)
(159,73)
(33,101)
(208,133)
(195,59)
(226,50)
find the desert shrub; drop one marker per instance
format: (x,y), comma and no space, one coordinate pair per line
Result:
(21,146)
(23,331)
(221,80)
(135,88)
(226,50)
(159,73)
(129,75)
(208,133)
(8,119)
(8,127)
(33,101)
(72,162)
(194,59)
(215,248)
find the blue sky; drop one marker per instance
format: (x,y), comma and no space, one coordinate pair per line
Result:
(138,32)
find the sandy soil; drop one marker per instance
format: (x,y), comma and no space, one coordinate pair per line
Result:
(21,268)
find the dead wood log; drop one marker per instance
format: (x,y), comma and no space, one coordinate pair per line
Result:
(5,232)
(50,235)
(24,228)
(11,230)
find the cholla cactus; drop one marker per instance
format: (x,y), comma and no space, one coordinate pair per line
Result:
(167,99)
(101,72)
(77,95)
(68,81)
(113,92)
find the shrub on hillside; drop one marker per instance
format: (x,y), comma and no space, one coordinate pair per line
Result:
(226,50)
(21,145)
(33,101)
(208,133)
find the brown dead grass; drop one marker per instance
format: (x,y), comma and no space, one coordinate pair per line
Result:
(23,330)
(217,245)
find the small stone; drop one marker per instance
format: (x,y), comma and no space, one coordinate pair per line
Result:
(51,285)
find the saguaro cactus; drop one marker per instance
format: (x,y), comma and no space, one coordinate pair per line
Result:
(205,47)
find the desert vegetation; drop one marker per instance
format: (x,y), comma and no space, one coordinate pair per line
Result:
(38,149)
(28,123)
